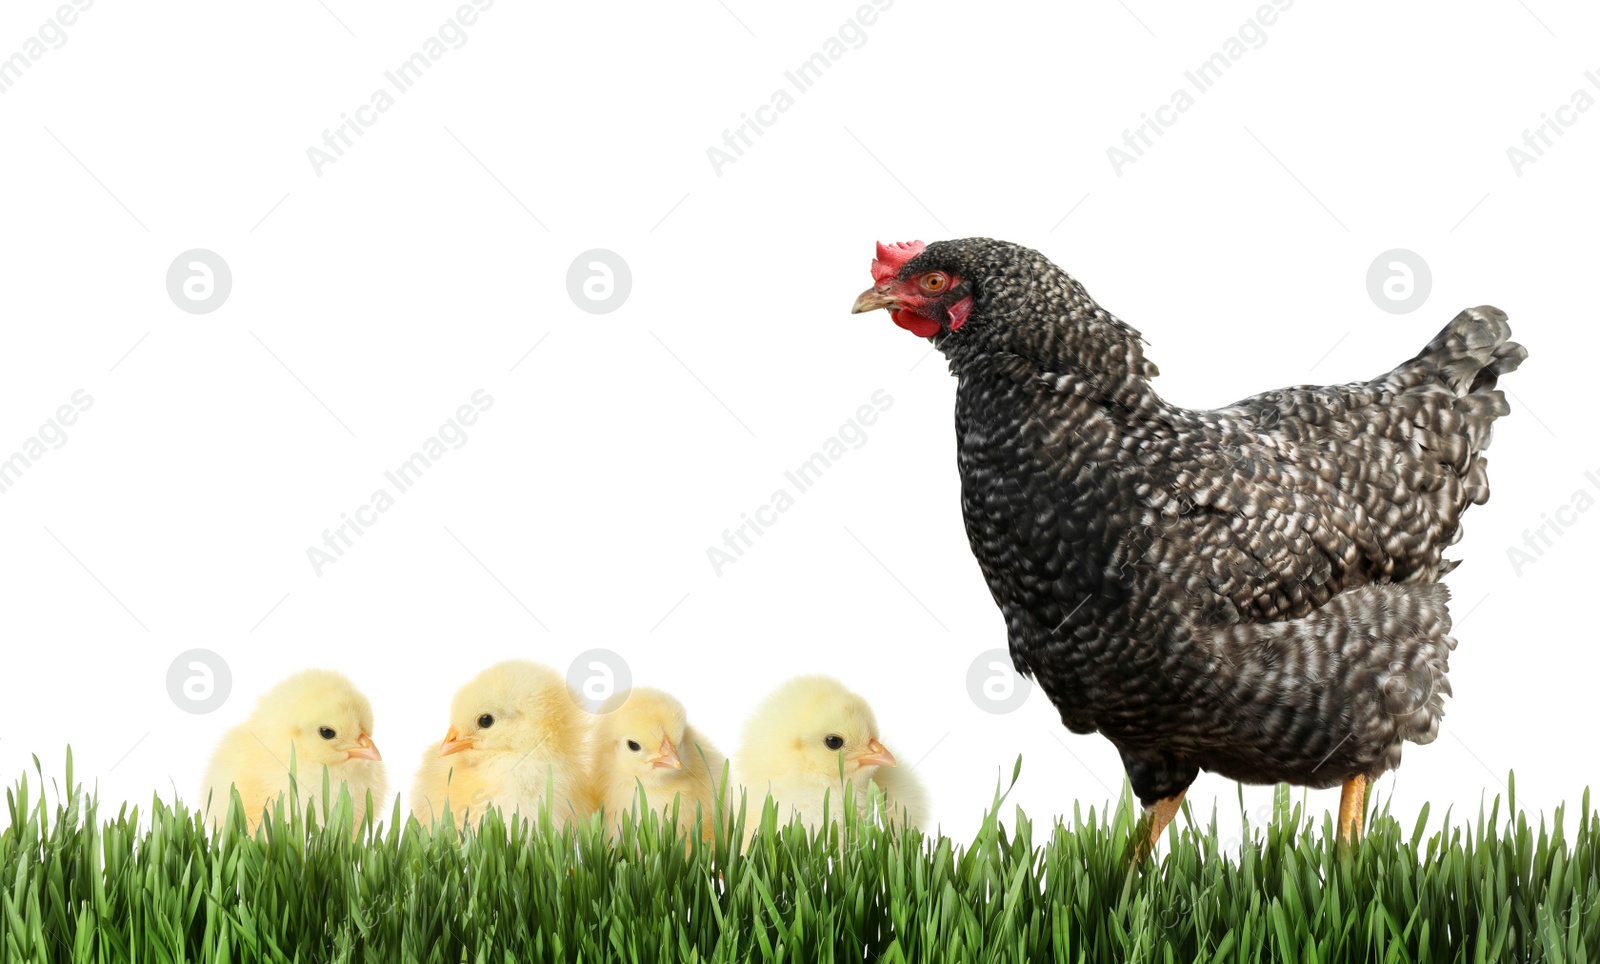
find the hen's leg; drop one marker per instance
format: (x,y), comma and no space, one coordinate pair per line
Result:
(1159,781)
(1352,808)
(1161,813)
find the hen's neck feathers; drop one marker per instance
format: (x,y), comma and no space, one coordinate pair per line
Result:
(1045,324)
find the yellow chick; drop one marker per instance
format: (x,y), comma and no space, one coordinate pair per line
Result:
(517,733)
(800,739)
(645,740)
(317,718)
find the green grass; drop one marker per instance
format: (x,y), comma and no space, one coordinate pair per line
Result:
(161,887)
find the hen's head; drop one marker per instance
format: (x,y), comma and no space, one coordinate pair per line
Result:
(923,300)
(941,288)
(977,295)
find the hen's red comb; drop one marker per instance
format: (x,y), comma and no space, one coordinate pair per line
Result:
(892,257)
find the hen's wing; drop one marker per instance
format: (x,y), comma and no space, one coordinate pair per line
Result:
(1296,539)
(1268,508)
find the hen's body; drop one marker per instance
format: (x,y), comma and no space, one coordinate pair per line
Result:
(1252,590)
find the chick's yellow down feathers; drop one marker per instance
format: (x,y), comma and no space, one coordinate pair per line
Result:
(809,739)
(316,719)
(642,740)
(517,739)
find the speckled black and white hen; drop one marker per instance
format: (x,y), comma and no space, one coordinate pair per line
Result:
(1252,590)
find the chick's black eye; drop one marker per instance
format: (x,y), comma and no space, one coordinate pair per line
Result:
(485,721)
(834,742)
(633,745)
(326,732)
(933,281)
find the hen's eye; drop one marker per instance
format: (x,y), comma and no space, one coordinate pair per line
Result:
(326,732)
(485,721)
(834,742)
(934,281)
(633,745)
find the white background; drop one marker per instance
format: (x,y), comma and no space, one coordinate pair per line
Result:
(425,263)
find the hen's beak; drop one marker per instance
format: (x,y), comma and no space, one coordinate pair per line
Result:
(874,298)
(877,755)
(454,743)
(365,749)
(667,758)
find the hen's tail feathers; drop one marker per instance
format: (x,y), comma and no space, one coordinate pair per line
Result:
(1468,357)
(1474,350)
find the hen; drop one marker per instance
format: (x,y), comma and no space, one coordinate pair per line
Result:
(1252,590)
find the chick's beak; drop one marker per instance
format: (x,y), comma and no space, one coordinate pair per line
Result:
(874,298)
(667,758)
(454,743)
(365,749)
(877,755)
